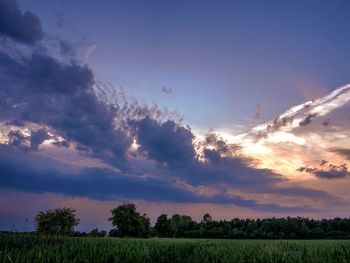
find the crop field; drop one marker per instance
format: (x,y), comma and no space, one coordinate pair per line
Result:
(30,248)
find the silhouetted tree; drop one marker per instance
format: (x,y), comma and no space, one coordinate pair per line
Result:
(129,222)
(207,218)
(269,228)
(59,221)
(96,233)
(162,226)
(113,233)
(180,224)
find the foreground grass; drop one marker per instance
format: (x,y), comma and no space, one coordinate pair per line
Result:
(25,248)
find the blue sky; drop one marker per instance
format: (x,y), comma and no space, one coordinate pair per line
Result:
(69,136)
(220,58)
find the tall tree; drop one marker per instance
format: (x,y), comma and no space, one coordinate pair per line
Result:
(129,222)
(162,226)
(207,218)
(180,223)
(59,221)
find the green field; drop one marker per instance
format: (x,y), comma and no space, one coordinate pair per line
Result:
(26,248)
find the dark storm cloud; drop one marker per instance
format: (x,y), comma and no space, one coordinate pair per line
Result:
(166,142)
(307,169)
(307,120)
(171,145)
(18,172)
(323,162)
(43,90)
(17,123)
(213,156)
(66,48)
(16,138)
(40,89)
(274,126)
(61,143)
(219,144)
(27,143)
(42,74)
(345,152)
(329,171)
(37,138)
(332,173)
(228,171)
(22,27)
(61,96)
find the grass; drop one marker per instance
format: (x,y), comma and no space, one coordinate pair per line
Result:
(29,248)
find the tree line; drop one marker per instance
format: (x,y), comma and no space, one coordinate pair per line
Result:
(128,222)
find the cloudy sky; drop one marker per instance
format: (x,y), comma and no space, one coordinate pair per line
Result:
(237,108)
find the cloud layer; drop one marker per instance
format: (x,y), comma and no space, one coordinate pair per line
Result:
(64,132)
(23,27)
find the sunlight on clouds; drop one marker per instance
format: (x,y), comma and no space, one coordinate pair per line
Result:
(255,148)
(298,138)
(134,146)
(285,137)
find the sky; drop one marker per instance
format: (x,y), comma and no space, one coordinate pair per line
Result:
(239,108)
